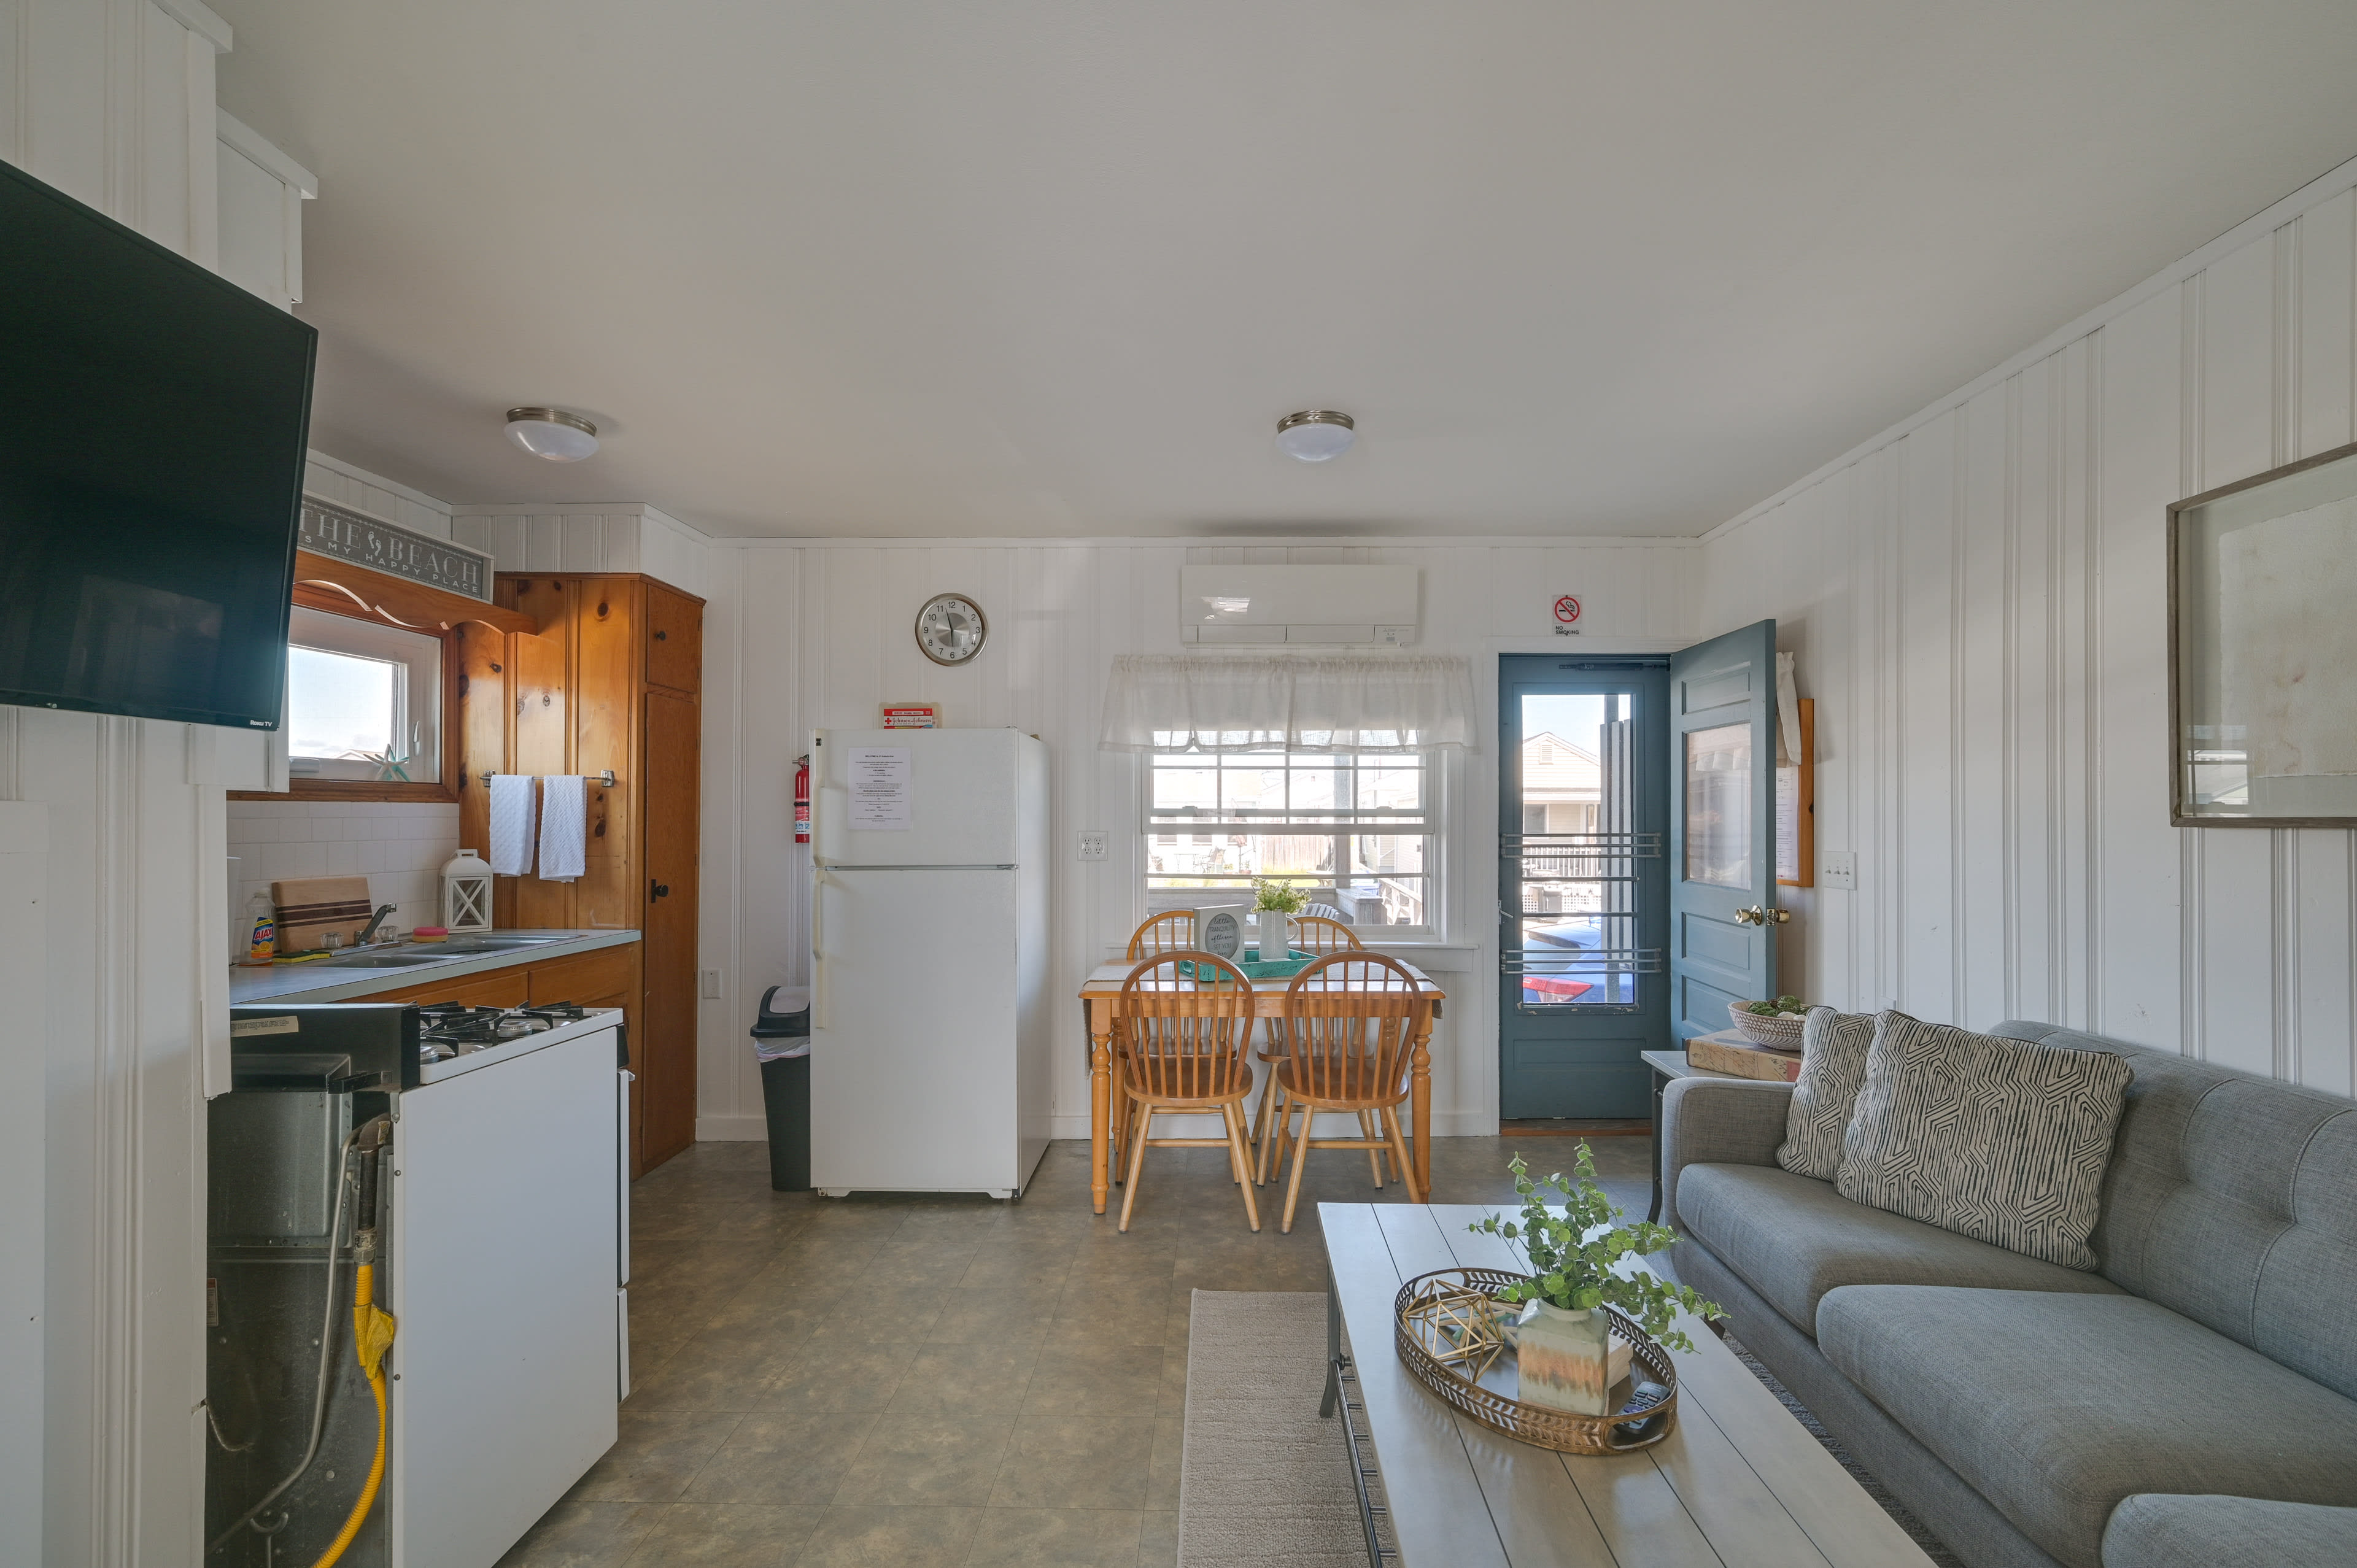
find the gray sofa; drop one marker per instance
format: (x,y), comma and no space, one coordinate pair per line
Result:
(2191,1402)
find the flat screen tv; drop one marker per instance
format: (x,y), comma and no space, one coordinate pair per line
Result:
(153,419)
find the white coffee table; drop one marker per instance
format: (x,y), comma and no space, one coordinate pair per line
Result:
(1739,1482)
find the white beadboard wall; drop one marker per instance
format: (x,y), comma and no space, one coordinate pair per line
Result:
(333,479)
(1979,602)
(111,100)
(398,845)
(588,537)
(804,635)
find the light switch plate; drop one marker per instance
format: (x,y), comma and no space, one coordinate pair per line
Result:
(1838,868)
(1092,846)
(712,985)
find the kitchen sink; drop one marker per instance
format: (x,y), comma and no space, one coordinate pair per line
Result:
(493,944)
(380,961)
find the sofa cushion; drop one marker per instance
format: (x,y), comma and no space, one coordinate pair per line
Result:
(2151,1530)
(2233,1201)
(1833,1065)
(2001,1140)
(2055,1407)
(1793,1239)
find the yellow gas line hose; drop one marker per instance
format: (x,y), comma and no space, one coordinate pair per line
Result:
(372,1333)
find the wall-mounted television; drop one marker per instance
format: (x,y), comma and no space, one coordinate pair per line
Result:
(153,421)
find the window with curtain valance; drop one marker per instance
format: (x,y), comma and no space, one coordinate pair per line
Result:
(1329,703)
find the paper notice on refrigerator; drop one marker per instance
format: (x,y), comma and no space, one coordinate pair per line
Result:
(879,788)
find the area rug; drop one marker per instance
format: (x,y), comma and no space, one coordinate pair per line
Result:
(1262,1479)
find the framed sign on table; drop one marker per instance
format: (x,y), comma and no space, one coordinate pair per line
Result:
(2262,640)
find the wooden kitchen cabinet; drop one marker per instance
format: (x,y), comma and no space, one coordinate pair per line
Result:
(613,680)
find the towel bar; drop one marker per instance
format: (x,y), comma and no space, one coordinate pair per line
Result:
(605,777)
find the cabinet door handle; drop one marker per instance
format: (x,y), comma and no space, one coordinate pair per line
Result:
(658,890)
(663,637)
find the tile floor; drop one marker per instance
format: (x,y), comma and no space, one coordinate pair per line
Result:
(926,1382)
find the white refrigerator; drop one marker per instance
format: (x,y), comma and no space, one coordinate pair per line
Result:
(929,960)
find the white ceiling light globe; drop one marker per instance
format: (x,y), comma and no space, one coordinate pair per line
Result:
(553,433)
(1315,434)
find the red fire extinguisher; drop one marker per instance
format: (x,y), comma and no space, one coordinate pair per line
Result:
(801,802)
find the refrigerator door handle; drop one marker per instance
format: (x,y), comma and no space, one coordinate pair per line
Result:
(818,944)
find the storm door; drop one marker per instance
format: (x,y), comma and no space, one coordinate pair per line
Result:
(1583,886)
(1722,752)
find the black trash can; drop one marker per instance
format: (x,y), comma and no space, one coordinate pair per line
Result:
(781,1042)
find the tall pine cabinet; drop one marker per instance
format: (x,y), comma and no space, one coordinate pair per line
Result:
(613,680)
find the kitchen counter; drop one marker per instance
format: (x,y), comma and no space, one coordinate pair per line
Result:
(323,979)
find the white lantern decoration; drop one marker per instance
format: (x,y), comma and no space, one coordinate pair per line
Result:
(467,892)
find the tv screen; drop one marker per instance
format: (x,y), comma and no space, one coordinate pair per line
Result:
(153,419)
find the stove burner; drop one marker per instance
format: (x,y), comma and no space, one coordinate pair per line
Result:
(449,1029)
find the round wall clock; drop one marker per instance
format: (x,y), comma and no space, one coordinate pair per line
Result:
(951,628)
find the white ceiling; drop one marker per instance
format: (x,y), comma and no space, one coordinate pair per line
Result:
(1057,266)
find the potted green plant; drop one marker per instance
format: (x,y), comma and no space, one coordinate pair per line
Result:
(1563,1345)
(1282,900)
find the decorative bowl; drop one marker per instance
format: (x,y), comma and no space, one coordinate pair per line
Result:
(1767,1029)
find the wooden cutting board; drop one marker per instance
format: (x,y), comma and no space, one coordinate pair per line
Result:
(311,907)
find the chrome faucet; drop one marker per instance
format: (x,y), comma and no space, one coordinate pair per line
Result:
(368,933)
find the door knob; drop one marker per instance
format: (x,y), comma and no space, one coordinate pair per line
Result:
(1754,915)
(658,890)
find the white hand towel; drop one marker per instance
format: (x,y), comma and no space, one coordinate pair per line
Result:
(511,815)
(563,827)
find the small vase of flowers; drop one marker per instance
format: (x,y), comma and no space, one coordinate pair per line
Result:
(1563,1341)
(1274,904)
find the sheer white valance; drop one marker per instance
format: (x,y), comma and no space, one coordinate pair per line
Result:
(1349,703)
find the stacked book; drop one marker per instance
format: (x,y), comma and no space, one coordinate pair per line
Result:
(1729,1051)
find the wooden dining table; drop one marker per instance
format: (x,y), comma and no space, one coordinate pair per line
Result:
(1101,994)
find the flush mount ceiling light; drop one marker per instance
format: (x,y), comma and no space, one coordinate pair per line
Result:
(553,433)
(1315,434)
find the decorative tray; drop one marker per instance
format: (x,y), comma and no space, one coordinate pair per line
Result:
(1445,1329)
(1285,968)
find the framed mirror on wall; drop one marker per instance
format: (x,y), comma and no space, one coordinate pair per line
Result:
(2263,634)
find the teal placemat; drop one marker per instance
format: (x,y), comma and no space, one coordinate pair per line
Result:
(1285,968)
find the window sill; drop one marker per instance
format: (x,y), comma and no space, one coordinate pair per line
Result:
(352,790)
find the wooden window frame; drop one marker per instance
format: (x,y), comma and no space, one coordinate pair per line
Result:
(360,594)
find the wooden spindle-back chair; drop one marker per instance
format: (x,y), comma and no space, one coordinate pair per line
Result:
(1170,933)
(1173,932)
(1322,934)
(1318,934)
(1182,1035)
(1350,1023)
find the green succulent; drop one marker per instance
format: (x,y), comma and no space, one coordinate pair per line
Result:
(1572,1266)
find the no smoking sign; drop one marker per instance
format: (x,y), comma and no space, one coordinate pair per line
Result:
(1566,616)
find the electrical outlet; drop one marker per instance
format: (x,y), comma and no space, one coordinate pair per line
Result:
(712,985)
(1838,868)
(1092,846)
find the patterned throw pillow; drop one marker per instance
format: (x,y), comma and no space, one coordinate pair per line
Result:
(2004,1141)
(1833,1065)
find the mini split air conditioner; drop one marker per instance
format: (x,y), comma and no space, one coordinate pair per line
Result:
(1298,603)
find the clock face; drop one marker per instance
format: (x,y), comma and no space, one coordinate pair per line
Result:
(950,628)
